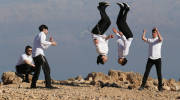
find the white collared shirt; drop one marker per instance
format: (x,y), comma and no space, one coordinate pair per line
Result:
(102,46)
(24,57)
(40,44)
(154,48)
(123,45)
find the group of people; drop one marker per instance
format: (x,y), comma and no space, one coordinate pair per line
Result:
(124,39)
(34,58)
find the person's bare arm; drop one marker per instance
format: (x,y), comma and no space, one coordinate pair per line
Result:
(53,43)
(109,37)
(120,33)
(144,35)
(29,63)
(116,32)
(159,35)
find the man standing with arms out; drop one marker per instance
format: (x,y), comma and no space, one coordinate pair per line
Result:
(99,38)
(25,64)
(40,44)
(154,56)
(125,36)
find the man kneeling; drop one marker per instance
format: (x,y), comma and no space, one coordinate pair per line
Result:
(25,64)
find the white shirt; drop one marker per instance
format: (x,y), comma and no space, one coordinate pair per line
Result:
(123,45)
(154,48)
(40,44)
(24,57)
(102,46)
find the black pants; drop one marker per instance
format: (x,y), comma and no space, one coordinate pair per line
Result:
(122,24)
(25,69)
(103,24)
(41,61)
(149,65)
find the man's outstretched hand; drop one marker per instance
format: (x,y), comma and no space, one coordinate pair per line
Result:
(111,36)
(114,30)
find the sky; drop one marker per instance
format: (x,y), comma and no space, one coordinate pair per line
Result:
(70,23)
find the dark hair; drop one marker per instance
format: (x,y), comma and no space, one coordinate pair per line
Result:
(41,27)
(153,30)
(27,47)
(124,62)
(99,60)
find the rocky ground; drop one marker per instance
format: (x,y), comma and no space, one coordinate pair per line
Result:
(116,85)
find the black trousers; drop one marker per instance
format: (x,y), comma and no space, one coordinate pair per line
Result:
(103,24)
(149,65)
(25,69)
(41,61)
(122,24)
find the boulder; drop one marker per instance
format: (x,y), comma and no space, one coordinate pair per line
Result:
(171,82)
(71,79)
(97,76)
(10,78)
(117,75)
(114,75)
(79,78)
(134,78)
(166,88)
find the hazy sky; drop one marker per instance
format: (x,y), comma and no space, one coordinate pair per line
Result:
(70,23)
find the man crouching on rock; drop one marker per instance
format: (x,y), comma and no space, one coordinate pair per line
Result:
(25,64)
(40,44)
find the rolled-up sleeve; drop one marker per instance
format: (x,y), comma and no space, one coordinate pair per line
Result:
(124,38)
(118,35)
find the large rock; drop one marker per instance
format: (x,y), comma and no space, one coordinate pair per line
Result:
(79,78)
(10,78)
(97,76)
(128,77)
(117,75)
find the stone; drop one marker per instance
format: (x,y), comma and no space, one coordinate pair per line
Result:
(114,75)
(71,79)
(98,76)
(10,78)
(40,81)
(166,88)
(175,87)
(79,78)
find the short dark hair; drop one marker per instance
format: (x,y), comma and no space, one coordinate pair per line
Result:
(124,62)
(27,47)
(153,30)
(41,27)
(99,60)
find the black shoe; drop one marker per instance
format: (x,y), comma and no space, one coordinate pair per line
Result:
(104,3)
(120,4)
(33,86)
(160,89)
(126,6)
(27,81)
(102,6)
(19,75)
(51,87)
(141,88)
